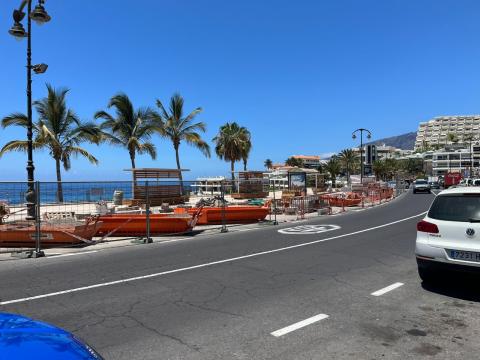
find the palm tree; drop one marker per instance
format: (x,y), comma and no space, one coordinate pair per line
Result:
(332,167)
(268,164)
(379,169)
(58,129)
(230,144)
(348,158)
(178,128)
(292,161)
(131,129)
(391,167)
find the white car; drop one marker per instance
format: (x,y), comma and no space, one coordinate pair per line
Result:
(448,238)
(421,185)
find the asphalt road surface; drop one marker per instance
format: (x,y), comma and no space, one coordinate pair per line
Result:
(340,287)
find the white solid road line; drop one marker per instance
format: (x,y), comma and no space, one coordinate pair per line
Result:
(299,325)
(174,271)
(51,256)
(387,289)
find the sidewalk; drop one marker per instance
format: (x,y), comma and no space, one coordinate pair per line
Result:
(199,232)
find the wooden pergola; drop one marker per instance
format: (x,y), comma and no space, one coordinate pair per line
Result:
(147,182)
(250,185)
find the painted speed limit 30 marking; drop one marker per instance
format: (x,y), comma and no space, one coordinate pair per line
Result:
(308,229)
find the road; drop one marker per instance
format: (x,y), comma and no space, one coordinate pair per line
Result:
(349,292)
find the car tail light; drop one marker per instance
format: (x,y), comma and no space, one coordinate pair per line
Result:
(425,226)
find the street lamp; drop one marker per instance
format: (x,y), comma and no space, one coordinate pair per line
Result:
(369,136)
(40,16)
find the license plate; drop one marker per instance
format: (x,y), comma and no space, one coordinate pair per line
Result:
(465,255)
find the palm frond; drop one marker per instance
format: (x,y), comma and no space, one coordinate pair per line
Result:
(16,119)
(148,148)
(78,151)
(18,145)
(164,113)
(104,115)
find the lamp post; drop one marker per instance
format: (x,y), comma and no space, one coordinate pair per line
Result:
(354,136)
(40,16)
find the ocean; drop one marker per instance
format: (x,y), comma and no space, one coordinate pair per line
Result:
(13,193)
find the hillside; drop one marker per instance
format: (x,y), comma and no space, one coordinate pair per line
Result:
(404,141)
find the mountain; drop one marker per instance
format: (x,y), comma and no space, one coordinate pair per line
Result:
(404,141)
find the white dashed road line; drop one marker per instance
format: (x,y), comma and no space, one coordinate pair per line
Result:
(204,265)
(299,325)
(387,289)
(70,254)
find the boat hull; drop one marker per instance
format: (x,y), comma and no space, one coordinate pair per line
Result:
(23,236)
(233,214)
(136,224)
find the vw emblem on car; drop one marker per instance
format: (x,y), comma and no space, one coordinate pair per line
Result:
(470,232)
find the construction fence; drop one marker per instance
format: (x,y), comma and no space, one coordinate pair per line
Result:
(65,214)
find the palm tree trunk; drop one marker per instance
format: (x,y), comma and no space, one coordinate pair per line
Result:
(177,157)
(132,159)
(245,165)
(59,181)
(232,170)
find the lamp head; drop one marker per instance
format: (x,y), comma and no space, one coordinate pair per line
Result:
(39,14)
(39,68)
(18,31)
(369,136)
(354,136)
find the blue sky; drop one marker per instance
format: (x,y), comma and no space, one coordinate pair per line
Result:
(301,75)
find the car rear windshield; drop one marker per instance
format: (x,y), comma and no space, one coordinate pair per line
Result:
(458,207)
(421,182)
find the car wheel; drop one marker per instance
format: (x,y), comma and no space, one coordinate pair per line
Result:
(414,191)
(426,275)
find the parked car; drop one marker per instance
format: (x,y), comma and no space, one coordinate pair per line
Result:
(421,185)
(25,338)
(448,238)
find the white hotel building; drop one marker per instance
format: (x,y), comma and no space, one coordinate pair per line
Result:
(435,131)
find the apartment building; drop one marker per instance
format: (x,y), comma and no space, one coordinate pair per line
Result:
(435,131)
(452,159)
(309,161)
(381,152)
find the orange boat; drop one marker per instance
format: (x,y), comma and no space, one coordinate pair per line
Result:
(136,224)
(233,214)
(22,234)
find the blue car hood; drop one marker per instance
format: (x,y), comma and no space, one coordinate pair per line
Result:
(24,338)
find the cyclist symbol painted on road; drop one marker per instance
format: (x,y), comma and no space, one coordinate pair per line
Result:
(308,229)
